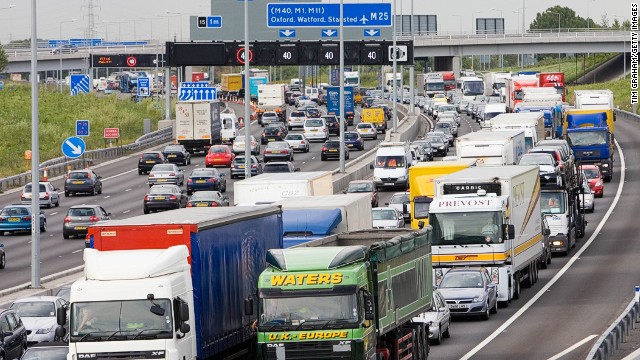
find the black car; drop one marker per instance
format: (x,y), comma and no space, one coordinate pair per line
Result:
(177,154)
(332,124)
(206,179)
(273,132)
(312,112)
(322,99)
(280,167)
(47,350)
(438,144)
(331,150)
(13,343)
(148,160)
(237,167)
(164,197)
(278,150)
(82,181)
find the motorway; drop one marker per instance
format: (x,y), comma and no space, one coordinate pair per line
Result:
(560,317)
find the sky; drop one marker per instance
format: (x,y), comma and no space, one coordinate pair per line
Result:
(148,19)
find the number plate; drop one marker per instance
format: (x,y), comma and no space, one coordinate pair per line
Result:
(350,145)
(80,228)
(160,198)
(202,204)
(77,182)
(150,161)
(171,156)
(272,139)
(162,179)
(458,306)
(241,166)
(333,150)
(201,181)
(14,219)
(389,184)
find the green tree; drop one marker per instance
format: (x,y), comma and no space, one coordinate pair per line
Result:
(3,59)
(548,19)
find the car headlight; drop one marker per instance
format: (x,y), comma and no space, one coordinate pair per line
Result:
(441,147)
(375,178)
(605,165)
(402,178)
(479,298)
(44,331)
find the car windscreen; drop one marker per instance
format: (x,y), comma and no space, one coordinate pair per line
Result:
(383,215)
(542,159)
(360,187)
(399,199)
(35,309)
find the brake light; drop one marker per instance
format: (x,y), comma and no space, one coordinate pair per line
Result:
(324,148)
(94,219)
(253,166)
(172,174)
(279,133)
(189,181)
(267,151)
(146,198)
(67,219)
(46,195)
(173,197)
(214,204)
(212,180)
(26,218)
(150,175)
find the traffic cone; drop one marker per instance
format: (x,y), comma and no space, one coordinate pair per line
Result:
(45,176)
(241,121)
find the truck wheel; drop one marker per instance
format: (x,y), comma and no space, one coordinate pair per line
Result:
(543,263)
(516,286)
(528,282)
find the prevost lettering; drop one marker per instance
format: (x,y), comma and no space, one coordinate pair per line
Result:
(306,279)
(472,188)
(465,202)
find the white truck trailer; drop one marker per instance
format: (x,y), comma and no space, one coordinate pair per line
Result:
(198,125)
(491,147)
(532,123)
(272,187)
(489,216)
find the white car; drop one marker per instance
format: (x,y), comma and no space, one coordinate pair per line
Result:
(49,195)
(38,313)
(367,131)
(400,201)
(438,319)
(298,142)
(296,119)
(316,129)
(238,145)
(387,218)
(587,198)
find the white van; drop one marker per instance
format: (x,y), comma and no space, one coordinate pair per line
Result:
(230,127)
(391,167)
(316,129)
(491,111)
(311,93)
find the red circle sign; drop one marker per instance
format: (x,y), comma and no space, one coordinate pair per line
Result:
(240,56)
(132,61)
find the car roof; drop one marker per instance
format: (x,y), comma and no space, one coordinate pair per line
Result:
(360,181)
(84,206)
(37,298)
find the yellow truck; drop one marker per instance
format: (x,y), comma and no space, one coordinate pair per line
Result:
(231,84)
(421,185)
(376,117)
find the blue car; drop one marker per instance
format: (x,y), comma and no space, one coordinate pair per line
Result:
(353,140)
(14,218)
(206,179)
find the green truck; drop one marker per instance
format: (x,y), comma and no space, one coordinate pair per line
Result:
(348,296)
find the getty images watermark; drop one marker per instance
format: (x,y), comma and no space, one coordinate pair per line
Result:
(634,54)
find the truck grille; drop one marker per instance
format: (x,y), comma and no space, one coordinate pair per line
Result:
(309,350)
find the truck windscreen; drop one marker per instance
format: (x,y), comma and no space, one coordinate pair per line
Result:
(466,228)
(309,310)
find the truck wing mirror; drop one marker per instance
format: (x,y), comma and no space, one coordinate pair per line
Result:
(248,306)
(509,231)
(185,328)
(60,332)
(404,208)
(547,232)
(184,311)
(420,224)
(61,316)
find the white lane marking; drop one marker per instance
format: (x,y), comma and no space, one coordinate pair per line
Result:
(126,211)
(118,175)
(313,158)
(573,347)
(108,196)
(633,356)
(77,251)
(564,269)
(53,213)
(128,190)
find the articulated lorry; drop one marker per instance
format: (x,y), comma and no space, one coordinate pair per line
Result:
(552,112)
(198,125)
(308,218)
(495,83)
(272,187)
(254,82)
(349,296)
(532,123)
(231,84)
(489,216)
(514,94)
(491,147)
(590,134)
(271,98)
(434,84)
(421,181)
(553,80)
(176,285)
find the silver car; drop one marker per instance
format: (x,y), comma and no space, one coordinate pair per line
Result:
(239,146)
(269,117)
(38,313)
(49,195)
(438,319)
(166,174)
(298,142)
(80,217)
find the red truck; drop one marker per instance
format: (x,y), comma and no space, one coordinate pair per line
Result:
(514,90)
(553,79)
(449,80)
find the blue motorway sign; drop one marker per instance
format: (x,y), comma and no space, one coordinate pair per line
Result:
(80,83)
(210,21)
(73,147)
(82,128)
(328,15)
(144,88)
(197,91)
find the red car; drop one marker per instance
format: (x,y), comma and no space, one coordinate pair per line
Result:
(219,155)
(594,177)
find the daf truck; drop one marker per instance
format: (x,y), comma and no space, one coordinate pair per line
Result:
(198,125)
(173,285)
(348,296)
(491,147)
(490,217)
(434,84)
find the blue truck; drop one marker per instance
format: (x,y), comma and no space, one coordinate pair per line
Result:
(180,284)
(552,117)
(253,86)
(333,102)
(590,135)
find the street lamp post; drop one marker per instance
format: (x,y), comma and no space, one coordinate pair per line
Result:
(555,13)
(247,96)
(180,15)
(35,155)
(60,53)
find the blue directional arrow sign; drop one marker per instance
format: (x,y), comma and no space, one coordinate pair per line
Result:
(371,32)
(73,147)
(287,33)
(144,88)
(80,83)
(82,128)
(197,93)
(329,32)
(325,15)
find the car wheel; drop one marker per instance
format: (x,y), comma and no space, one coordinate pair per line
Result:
(43,226)
(438,340)
(189,192)
(447,333)
(1,233)
(146,211)
(485,315)
(100,191)
(233,176)
(65,235)
(224,188)
(184,163)
(93,191)
(322,158)
(140,172)
(67,194)
(3,264)
(494,309)
(58,201)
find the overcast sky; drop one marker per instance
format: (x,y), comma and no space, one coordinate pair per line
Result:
(151,20)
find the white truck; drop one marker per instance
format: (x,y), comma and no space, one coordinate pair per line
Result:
(388,82)
(593,99)
(532,123)
(434,84)
(198,125)
(272,187)
(491,110)
(491,147)
(533,94)
(230,127)
(352,78)
(421,81)
(469,87)
(490,217)
(271,98)
(495,83)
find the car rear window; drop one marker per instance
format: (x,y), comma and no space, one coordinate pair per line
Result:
(332,144)
(218,150)
(162,190)
(203,172)
(276,168)
(150,156)
(314,123)
(297,114)
(293,137)
(82,212)
(350,136)
(14,211)
(27,188)
(78,175)
(162,167)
